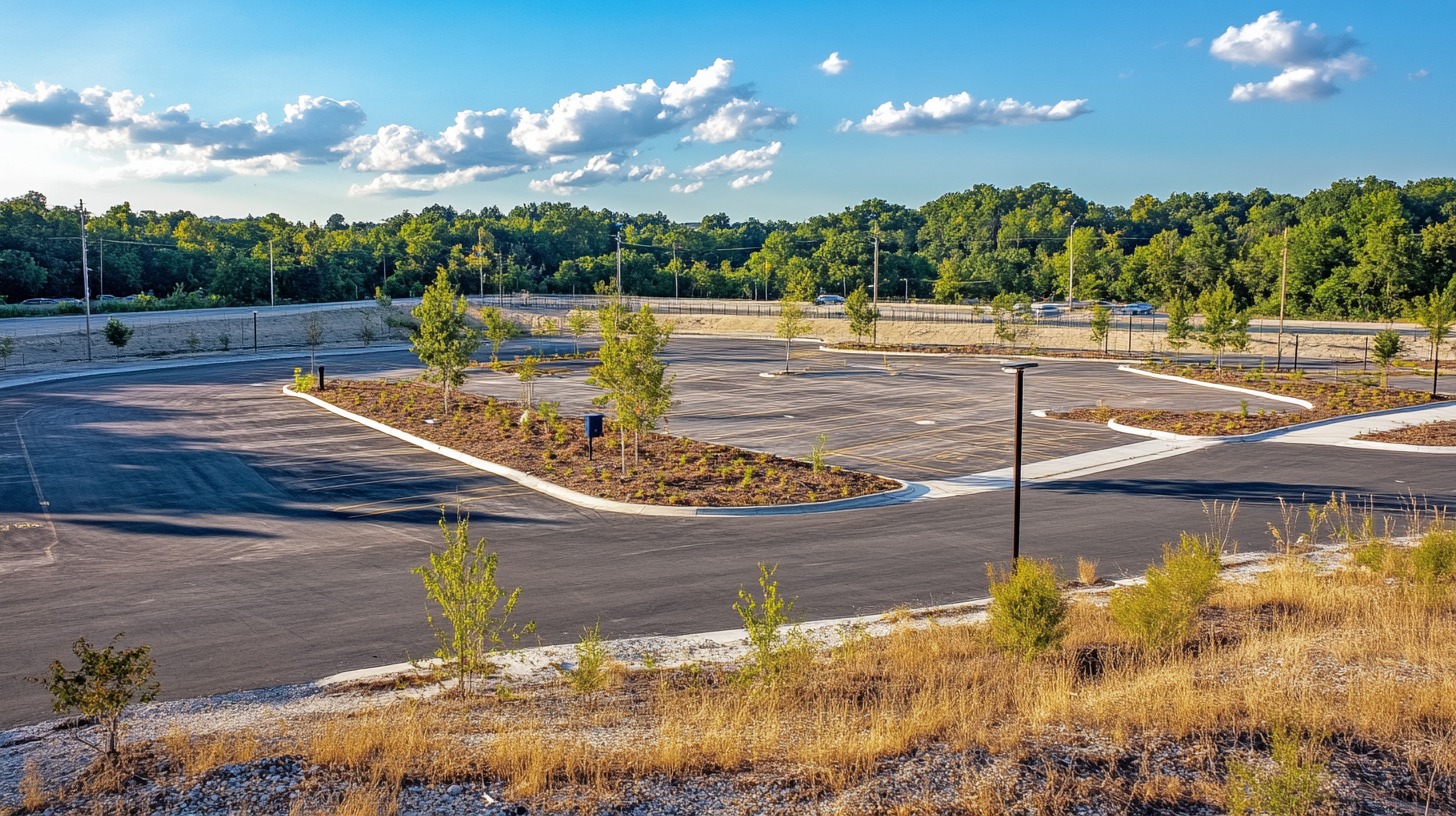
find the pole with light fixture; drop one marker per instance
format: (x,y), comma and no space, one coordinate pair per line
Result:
(1019,369)
(1071,265)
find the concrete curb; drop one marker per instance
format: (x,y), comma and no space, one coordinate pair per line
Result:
(904,493)
(1220,386)
(1275,433)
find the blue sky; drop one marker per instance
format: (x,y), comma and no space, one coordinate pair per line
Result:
(689,109)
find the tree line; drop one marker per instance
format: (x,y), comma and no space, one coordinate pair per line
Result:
(1360,249)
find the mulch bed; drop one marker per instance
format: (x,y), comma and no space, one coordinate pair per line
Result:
(1441,434)
(668,471)
(1330,400)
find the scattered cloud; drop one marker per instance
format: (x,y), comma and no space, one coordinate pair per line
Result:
(687,189)
(604,128)
(1194,42)
(748,181)
(959,112)
(740,119)
(606,168)
(834,65)
(738,161)
(1310,59)
(1417,76)
(174,144)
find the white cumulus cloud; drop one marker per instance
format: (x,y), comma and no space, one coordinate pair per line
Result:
(606,168)
(961,111)
(174,144)
(1311,61)
(738,161)
(748,181)
(740,119)
(687,189)
(834,65)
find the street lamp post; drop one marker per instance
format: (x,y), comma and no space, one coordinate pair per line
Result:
(1071,266)
(619,258)
(1019,369)
(906,281)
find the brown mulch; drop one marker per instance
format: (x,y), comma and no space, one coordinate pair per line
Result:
(1330,400)
(668,471)
(1441,434)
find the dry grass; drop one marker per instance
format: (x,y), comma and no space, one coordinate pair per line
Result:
(1366,659)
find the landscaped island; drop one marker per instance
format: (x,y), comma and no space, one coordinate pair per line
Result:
(666,471)
(1330,400)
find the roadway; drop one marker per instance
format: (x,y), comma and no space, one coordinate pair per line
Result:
(254,540)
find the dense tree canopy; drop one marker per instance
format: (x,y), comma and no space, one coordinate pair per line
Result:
(1361,249)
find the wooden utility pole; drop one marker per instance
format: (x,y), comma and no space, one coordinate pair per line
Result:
(1283,288)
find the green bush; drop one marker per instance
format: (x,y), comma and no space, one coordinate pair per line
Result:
(590,672)
(107,683)
(1028,613)
(1373,555)
(1434,559)
(1292,788)
(1160,614)
(763,618)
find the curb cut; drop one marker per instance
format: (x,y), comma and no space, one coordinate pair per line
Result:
(904,493)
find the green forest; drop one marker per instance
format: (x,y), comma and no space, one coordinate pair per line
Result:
(1359,249)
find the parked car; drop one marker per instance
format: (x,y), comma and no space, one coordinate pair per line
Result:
(70,301)
(828,300)
(1134,309)
(107,297)
(38,302)
(1045,309)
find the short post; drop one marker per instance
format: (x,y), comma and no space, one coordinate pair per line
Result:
(255,331)
(1019,369)
(593,423)
(1129,335)
(1296,352)
(1365,361)
(320,378)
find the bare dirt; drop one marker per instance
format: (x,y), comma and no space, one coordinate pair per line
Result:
(1440,434)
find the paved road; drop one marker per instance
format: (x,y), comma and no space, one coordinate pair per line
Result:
(254,540)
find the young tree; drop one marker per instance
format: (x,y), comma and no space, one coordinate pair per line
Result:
(863,316)
(1010,318)
(578,322)
(1435,314)
(117,334)
(107,682)
(1101,322)
(443,341)
(544,327)
(461,581)
(1180,328)
(630,372)
(498,329)
(792,323)
(528,370)
(313,335)
(7,348)
(1387,346)
(1223,324)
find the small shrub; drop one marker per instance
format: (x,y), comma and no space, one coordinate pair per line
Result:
(590,672)
(107,682)
(193,342)
(1434,559)
(763,617)
(1160,614)
(816,455)
(224,342)
(1028,614)
(302,383)
(1292,788)
(1374,555)
(1086,571)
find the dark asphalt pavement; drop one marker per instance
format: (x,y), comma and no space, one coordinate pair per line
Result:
(254,540)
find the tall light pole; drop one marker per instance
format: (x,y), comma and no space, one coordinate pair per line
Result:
(85,281)
(1019,369)
(906,281)
(619,257)
(875,336)
(1071,265)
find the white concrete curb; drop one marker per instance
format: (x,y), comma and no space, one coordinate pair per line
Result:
(905,492)
(979,356)
(1276,397)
